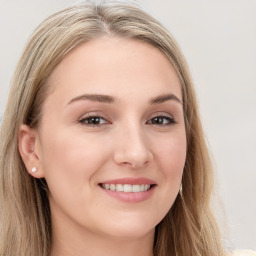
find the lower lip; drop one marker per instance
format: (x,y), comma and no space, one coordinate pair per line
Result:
(130,197)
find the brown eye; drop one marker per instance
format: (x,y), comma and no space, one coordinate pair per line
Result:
(161,120)
(93,120)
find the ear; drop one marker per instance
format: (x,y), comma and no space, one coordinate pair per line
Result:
(29,148)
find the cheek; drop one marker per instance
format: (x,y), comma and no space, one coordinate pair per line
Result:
(171,153)
(171,157)
(71,161)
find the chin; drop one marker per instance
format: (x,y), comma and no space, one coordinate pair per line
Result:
(131,233)
(131,228)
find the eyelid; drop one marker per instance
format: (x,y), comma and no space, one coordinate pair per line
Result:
(172,120)
(93,115)
(163,114)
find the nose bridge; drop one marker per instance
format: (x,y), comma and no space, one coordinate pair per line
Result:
(132,146)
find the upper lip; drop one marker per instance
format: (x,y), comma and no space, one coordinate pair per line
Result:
(130,180)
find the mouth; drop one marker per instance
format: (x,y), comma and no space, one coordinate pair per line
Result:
(127,188)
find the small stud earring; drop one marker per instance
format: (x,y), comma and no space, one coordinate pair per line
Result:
(34,169)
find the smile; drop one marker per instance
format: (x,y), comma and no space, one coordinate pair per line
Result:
(127,188)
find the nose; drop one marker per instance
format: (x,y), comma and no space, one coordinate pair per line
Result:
(132,148)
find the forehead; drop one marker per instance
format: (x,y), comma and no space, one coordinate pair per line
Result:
(114,65)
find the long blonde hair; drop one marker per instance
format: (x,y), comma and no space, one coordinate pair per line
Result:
(189,228)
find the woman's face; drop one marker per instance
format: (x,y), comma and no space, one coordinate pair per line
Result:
(111,143)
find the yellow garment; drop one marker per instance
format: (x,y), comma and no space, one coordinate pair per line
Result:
(244,253)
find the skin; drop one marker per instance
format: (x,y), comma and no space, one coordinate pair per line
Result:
(75,154)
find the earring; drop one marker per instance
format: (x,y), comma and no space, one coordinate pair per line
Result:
(180,190)
(34,169)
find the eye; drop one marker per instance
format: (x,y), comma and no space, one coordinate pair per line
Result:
(162,120)
(93,120)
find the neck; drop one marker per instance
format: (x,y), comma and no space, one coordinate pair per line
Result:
(101,247)
(76,241)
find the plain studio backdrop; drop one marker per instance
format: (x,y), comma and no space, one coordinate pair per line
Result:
(218,39)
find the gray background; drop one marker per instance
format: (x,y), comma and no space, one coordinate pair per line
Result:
(218,39)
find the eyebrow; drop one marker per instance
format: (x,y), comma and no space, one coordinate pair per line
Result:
(110,99)
(94,97)
(163,98)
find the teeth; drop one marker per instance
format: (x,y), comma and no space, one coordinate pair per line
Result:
(136,188)
(112,187)
(126,187)
(119,187)
(142,187)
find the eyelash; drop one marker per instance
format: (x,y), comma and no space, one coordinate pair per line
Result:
(87,119)
(170,120)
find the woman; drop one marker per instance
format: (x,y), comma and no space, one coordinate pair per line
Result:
(102,149)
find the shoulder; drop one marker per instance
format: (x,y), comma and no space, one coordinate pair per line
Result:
(244,253)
